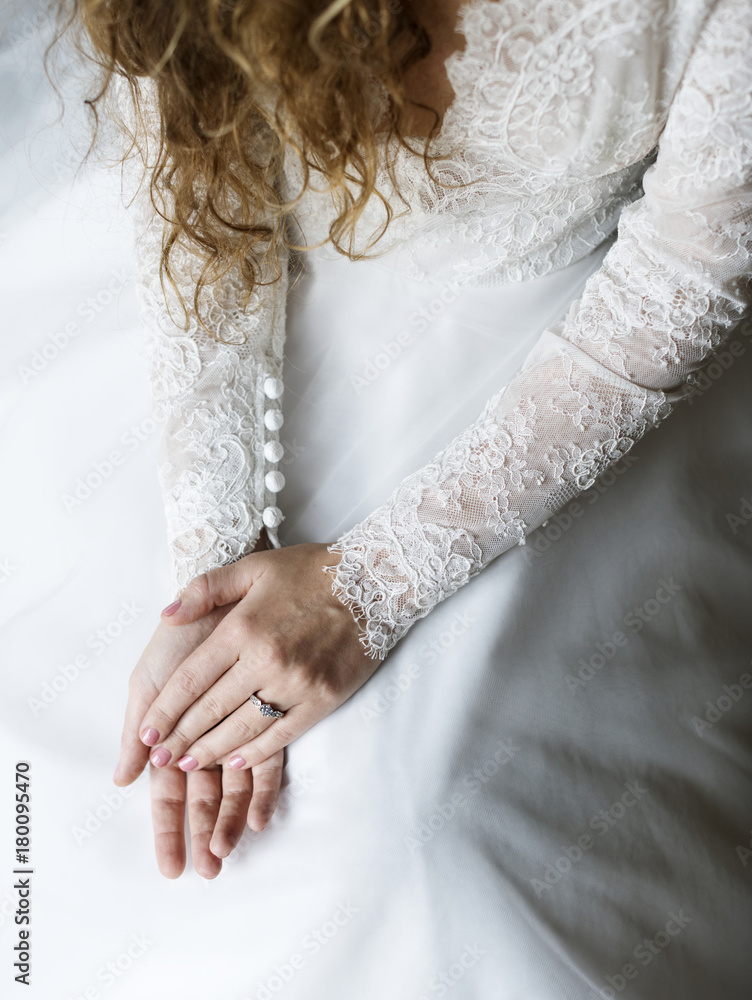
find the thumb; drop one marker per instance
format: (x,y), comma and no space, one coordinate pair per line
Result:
(210,590)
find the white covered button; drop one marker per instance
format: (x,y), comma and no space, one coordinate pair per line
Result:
(273,387)
(273,451)
(274,481)
(272,517)
(274,419)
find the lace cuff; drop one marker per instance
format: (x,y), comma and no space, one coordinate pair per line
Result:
(674,284)
(540,441)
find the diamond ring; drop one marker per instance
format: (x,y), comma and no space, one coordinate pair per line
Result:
(265,709)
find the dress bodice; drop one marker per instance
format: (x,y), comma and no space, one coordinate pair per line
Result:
(569,116)
(557,113)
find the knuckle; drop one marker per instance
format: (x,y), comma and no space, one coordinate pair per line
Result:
(171,801)
(200,751)
(317,684)
(281,731)
(243,730)
(203,802)
(275,654)
(199,588)
(210,706)
(271,765)
(264,809)
(159,720)
(178,737)
(234,630)
(298,676)
(188,683)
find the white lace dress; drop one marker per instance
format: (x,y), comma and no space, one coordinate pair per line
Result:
(541,793)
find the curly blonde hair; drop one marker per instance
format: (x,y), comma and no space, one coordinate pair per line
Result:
(220,149)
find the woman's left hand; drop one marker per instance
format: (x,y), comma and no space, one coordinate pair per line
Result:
(289,640)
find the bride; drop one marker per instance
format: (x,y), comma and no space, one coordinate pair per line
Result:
(416,280)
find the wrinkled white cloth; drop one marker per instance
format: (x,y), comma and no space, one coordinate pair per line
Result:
(542,793)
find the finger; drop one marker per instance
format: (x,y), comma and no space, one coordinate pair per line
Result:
(237,788)
(168,819)
(215,740)
(226,700)
(240,728)
(193,677)
(210,590)
(166,650)
(267,781)
(275,737)
(133,753)
(204,796)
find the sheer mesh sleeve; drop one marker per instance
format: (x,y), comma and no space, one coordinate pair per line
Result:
(216,394)
(676,281)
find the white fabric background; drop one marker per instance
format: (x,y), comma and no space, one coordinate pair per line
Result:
(490,664)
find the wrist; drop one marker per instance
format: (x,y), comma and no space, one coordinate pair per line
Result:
(365,597)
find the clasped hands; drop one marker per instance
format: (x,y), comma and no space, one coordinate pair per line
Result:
(269,625)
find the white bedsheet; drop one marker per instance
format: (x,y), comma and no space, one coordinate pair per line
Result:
(506,834)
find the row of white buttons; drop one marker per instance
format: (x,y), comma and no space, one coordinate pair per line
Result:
(273,451)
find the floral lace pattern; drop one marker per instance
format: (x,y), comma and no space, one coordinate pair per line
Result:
(214,398)
(669,290)
(568,118)
(557,113)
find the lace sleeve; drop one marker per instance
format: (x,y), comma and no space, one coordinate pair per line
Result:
(668,292)
(216,399)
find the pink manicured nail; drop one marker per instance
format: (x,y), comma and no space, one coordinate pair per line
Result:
(187,763)
(114,777)
(171,608)
(236,762)
(150,737)
(160,757)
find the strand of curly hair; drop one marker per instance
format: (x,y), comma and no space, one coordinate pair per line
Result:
(215,176)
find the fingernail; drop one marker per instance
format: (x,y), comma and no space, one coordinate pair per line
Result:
(114,777)
(236,762)
(150,737)
(171,608)
(187,763)
(160,757)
